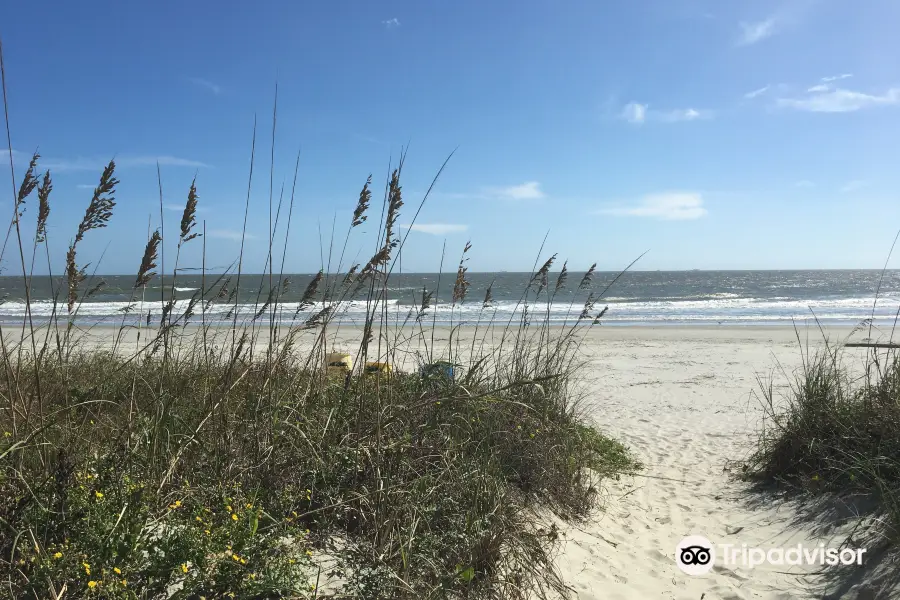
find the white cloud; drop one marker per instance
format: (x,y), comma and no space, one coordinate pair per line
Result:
(685,114)
(752,33)
(818,88)
(229,234)
(836,77)
(840,100)
(634,112)
(672,206)
(205,83)
(758,92)
(852,186)
(437,228)
(97,164)
(530,190)
(637,113)
(390,23)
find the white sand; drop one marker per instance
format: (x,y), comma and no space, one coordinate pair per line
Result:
(681,399)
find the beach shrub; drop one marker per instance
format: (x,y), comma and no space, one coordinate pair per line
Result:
(836,431)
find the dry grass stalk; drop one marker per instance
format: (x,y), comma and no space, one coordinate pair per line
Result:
(43,208)
(148,262)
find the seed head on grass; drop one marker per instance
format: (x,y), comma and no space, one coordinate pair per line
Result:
(148,263)
(309,295)
(97,215)
(189,218)
(461,285)
(425,305)
(541,276)
(29,182)
(600,315)
(588,307)
(561,279)
(365,197)
(74,277)
(588,278)
(43,208)
(488,296)
(395,203)
(99,211)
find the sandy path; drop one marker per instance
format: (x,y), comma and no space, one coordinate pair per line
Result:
(680,398)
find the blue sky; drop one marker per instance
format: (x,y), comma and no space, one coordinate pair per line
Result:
(713,134)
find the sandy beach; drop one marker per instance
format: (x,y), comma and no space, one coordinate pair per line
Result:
(682,398)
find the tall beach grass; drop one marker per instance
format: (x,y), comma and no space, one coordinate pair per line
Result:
(176,459)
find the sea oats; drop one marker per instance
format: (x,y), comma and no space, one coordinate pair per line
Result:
(43,208)
(29,182)
(189,218)
(561,279)
(148,263)
(588,277)
(365,197)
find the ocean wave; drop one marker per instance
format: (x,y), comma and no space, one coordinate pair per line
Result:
(718,309)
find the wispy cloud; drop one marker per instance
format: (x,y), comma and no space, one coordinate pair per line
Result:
(391,23)
(637,113)
(437,228)
(530,190)
(94,164)
(229,234)
(634,112)
(751,33)
(822,98)
(757,92)
(836,77)
(671,206)
(180,208)
(206,83)
(852,186)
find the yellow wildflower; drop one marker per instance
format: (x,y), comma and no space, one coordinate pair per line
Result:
(99,494)
(184,568)
(235,558)
(7,434)
(206,531)
(124,582)
(57,555)
(117,570)
(234,517)
(309,552)
(87,568)
(228,508)
(249,506)
(92,584)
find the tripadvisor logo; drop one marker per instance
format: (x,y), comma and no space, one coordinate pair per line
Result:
(696,555)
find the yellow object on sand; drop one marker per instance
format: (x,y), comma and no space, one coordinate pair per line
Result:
(377,367)
(338,364)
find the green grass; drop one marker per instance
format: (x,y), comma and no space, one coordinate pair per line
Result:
(836,432)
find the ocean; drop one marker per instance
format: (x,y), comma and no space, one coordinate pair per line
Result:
(749,298)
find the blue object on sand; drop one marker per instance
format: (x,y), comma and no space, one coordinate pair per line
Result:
(440,368)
